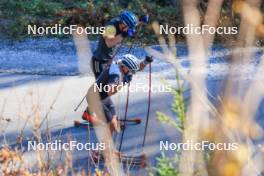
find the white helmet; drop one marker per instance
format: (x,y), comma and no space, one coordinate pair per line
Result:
(131,62)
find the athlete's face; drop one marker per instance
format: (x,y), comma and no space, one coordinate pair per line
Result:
(125,70)
(123,27)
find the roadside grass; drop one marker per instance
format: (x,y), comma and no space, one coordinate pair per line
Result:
(13,159)
(232,121)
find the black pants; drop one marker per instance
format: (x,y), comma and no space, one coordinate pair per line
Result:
(108,106)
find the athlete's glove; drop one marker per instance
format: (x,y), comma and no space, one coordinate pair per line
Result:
(148,60)
(129,33)
(144,19)
(127,78)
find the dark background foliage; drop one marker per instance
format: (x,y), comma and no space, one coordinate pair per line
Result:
(15,15)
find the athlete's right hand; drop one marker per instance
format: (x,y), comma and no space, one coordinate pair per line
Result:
(114,126)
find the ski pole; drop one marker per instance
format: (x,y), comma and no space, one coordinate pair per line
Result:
(127,100)
(123,132)
(77,107)
(149,99)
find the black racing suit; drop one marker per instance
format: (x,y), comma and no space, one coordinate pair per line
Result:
(103,55)
(110,76)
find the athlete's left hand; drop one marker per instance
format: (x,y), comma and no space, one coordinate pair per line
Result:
(149,59)
(129,33)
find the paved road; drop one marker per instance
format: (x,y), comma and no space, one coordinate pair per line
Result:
(27,99)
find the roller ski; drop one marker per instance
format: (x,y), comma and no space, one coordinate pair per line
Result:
(89,120)
(139,160)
